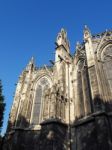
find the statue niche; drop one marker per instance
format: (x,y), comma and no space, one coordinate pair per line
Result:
(54,103)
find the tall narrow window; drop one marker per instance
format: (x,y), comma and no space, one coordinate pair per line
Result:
(107,64)
(42,84)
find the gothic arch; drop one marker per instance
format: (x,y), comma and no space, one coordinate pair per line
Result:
(41,83)
(105,58)
(102,47)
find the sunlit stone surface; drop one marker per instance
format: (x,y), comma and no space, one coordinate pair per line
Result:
(66,106)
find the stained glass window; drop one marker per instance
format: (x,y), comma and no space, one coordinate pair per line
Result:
(42,84)
(107,64)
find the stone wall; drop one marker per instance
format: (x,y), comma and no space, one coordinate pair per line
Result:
(92,133)
(78,92)
(51,136)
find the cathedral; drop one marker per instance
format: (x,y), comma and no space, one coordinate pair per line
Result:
(68,105)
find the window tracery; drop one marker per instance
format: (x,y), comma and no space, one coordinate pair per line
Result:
(107,63)
(42,85)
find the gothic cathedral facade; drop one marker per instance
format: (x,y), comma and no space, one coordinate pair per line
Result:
(66,106)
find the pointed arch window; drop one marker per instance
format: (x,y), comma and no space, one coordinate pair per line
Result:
(107,64)
(42,84)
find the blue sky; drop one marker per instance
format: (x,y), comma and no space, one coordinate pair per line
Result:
(29,28)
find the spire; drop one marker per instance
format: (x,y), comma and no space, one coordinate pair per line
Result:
(62,39)
(87,33)
(78,45)
(30,65)
(80,53)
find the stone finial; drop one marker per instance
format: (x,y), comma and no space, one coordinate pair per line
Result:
(87,33)
(62,39)
(62,35)
(32,60)
(80,53)
(78,45)
(86,28)
(31,64)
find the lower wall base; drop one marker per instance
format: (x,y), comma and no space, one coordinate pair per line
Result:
(92,133)
(51,136)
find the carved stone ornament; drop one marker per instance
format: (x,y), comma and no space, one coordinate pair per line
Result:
(107,53)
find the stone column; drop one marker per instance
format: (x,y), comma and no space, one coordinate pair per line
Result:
(92,72)
(79,105)
(86,92)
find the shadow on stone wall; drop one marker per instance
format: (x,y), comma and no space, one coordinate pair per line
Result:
(100,105)
(97,105)
(12,135)
(94,132)
(22,137)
